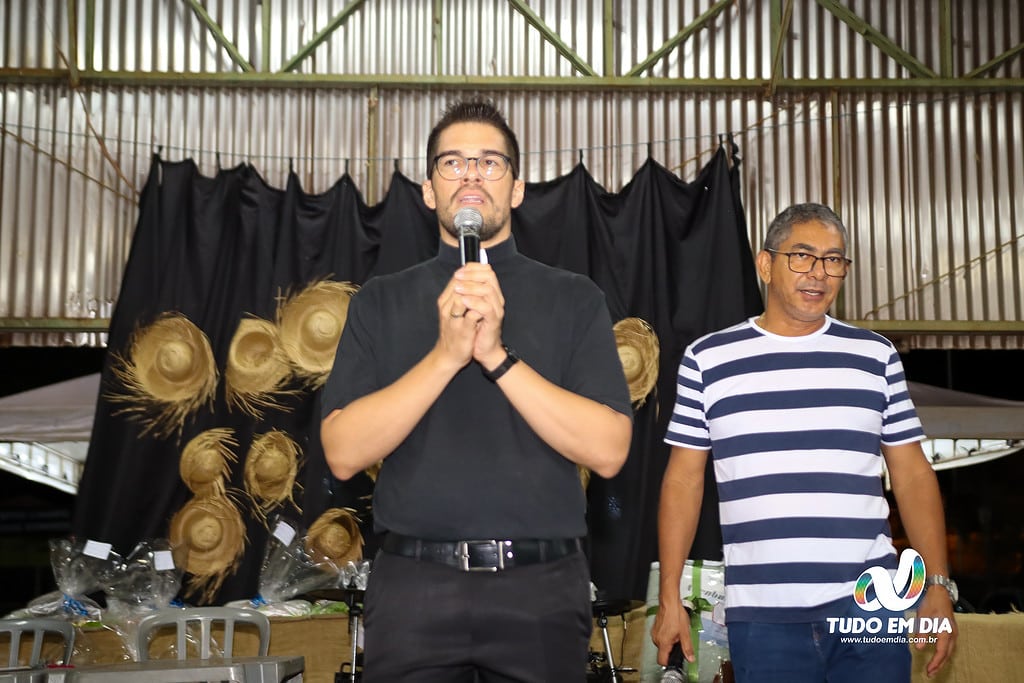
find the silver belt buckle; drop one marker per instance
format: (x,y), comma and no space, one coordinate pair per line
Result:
(464,555)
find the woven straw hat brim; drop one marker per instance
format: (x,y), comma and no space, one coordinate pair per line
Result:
(168,373)
(270,469)
(373,470)
(257,367)
(639,353)
(310,325)
(205,461)
(584,474)
(335,535)
(212,534)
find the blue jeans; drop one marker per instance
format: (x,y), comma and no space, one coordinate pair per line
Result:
(809,653)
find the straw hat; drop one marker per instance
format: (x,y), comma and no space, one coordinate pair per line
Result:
(584,476)
(204,462)
(335,535)
(638,350)
(212,533)
(270,469)
(257,366)
(310,325)
(373,470)
(169,372)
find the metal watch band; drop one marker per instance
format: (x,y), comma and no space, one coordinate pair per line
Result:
(944,582)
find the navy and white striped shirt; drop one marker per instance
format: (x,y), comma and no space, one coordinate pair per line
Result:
(795,426)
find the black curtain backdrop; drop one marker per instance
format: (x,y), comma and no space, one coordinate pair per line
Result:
(218,249)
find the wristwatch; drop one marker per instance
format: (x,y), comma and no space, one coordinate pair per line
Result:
(946,582)
(510,359)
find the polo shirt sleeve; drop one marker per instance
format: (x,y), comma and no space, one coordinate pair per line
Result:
(595,369)
(353,375)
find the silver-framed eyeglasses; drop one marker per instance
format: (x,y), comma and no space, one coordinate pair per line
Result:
(490,166)
(802,262)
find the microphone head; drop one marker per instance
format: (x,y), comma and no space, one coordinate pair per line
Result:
(468,221)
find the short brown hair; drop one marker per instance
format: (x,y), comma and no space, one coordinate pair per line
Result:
(473,111)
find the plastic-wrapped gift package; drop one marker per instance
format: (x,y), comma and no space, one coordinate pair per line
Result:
(703,589)
(149,579)
(290,567)
(80,566)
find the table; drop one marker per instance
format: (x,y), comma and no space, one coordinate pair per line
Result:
(990,647)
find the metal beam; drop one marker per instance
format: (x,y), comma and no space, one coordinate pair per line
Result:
(435,35)
(372,127)
(781,31)
(945,38)
(73,43)
(265,32)
(877,38)
(218,35)
(578,83)
(334,24)
(608,20)
(837,122)
(90,33)
(680,37)
(900,328)
(997,62)
(534,20)
(54,324)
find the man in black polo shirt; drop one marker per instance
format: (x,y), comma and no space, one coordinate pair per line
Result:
(481,387)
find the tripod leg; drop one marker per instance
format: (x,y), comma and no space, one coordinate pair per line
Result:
(602,621)
(354,626)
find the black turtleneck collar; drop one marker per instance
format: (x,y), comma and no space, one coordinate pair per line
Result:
(496,253)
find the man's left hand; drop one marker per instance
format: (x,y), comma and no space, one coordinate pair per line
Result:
(477,286)
(936,605)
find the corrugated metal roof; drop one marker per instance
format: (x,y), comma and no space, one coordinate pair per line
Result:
(928,181)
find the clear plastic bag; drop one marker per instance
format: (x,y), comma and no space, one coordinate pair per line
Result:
(149,579)
(289,568)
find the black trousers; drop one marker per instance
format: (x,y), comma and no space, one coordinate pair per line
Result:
(428,623)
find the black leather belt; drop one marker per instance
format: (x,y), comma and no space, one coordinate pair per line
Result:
(481,555)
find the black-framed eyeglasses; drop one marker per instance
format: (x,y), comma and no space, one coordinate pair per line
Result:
(490,166)
(802,262)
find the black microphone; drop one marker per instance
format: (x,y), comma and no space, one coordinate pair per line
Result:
(468,222)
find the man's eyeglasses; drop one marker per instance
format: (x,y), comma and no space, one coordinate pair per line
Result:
(802,262)
(491,166)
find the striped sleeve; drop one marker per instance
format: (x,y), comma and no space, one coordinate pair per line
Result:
(688,427)
(900,423)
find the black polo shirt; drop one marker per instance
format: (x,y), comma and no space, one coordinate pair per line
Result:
(472,468)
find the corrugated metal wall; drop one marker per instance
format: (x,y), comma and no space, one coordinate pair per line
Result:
(930,183)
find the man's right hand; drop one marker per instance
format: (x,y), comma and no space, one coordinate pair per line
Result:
(671,626)
(457,327)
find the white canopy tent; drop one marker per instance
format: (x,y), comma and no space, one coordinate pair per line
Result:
(967,429)
(44,433)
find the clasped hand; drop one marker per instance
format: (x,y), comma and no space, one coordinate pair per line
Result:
(470,311)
